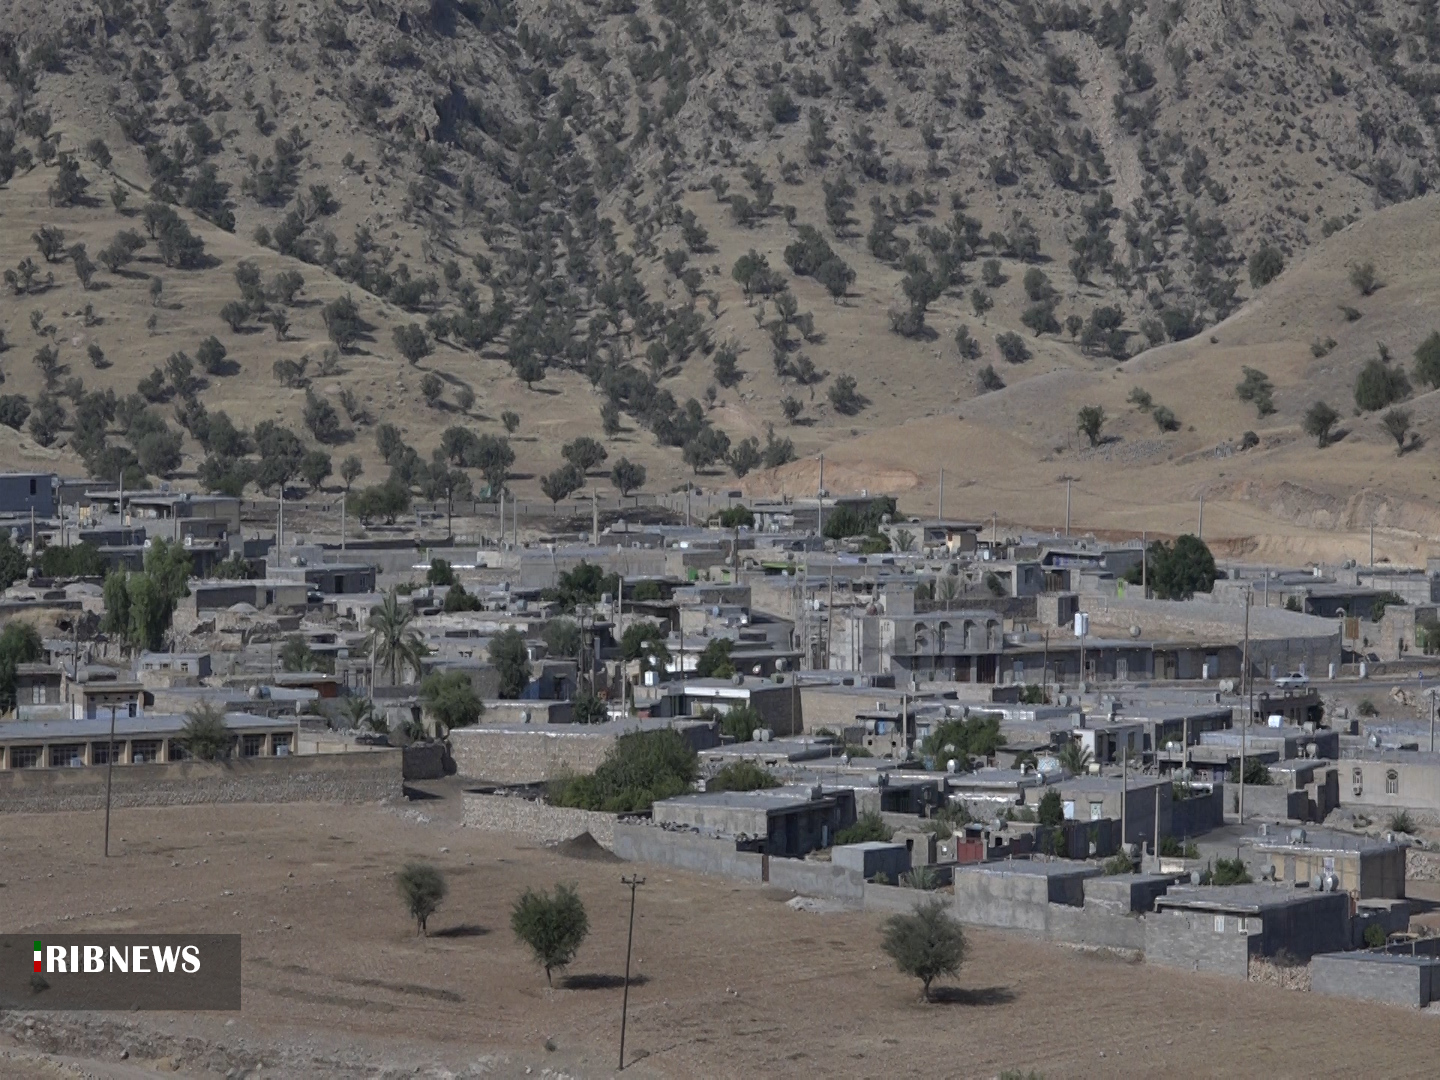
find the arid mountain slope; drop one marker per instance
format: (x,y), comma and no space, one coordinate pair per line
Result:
(570,192)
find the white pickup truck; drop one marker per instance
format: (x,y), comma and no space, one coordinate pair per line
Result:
(1292,681)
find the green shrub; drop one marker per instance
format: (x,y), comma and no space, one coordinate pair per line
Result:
(868,827)
(1119,863)
(1402,822)
(1375,936)
(741,776)
(1230,872)
(639,769)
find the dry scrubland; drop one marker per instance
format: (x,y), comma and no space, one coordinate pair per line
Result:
(1135,155)
(734,982)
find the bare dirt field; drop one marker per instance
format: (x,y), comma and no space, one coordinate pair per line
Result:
(732,981)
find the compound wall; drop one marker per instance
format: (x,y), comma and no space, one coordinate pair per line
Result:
(351,778)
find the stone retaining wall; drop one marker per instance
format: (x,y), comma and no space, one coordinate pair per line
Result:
(347,778)
(536,820)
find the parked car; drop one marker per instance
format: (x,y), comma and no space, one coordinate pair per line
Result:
(1292,681)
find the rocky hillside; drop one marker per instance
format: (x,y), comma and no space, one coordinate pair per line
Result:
(440,241)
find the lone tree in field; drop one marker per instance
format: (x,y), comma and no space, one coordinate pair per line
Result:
(927,943)
(553,926)
(1320,420)
(422,887)
(1397,423)
(1090,421)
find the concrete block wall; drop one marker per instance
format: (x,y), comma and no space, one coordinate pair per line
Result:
(1097,926)
(1191,941)
(1321,926)
(685,851)
(868,860)
(424,761)
(1270,801)
(536,820)
(817,879)
(526,757)
(348,778)
(1392,980)
(1199,813)
(897,900)
(1004,901)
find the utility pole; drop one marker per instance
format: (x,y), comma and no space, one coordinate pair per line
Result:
(1045,668)
(1067,506)
(342,521)
(820,501)
(1124,790)
(502,517)
(1144,567)
(594,518)
(1372,545)
(1249,708)
(1200,528)
(109,775)
(1432,720)
(829,616)
(994,531)
(633,881)
(940,505)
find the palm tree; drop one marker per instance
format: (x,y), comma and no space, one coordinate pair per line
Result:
(394,645)
(1075,759)
(360,712)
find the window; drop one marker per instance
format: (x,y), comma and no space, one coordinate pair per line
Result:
(252,745)
(144,750)
(1069,808)
(24,757)
(66,755)
(1392,782)
(37,694)
(100,752)
(281,743)
(33,489)
(179,751)
(1097,811)
(1357,779)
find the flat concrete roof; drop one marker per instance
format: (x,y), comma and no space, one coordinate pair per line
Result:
(1110,784)
(1237,899)
(1029,868)
(126,727)
(1382,958)
(782,798)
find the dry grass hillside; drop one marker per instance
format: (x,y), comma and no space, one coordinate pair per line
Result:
(556,206)
(1009,452)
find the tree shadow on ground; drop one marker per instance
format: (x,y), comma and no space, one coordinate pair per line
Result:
(600,982)
(463,930)
(983,995)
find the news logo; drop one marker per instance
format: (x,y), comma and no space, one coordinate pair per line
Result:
(190,972)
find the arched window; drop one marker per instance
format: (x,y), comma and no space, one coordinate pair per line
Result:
(1357,779)
(1392,782)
